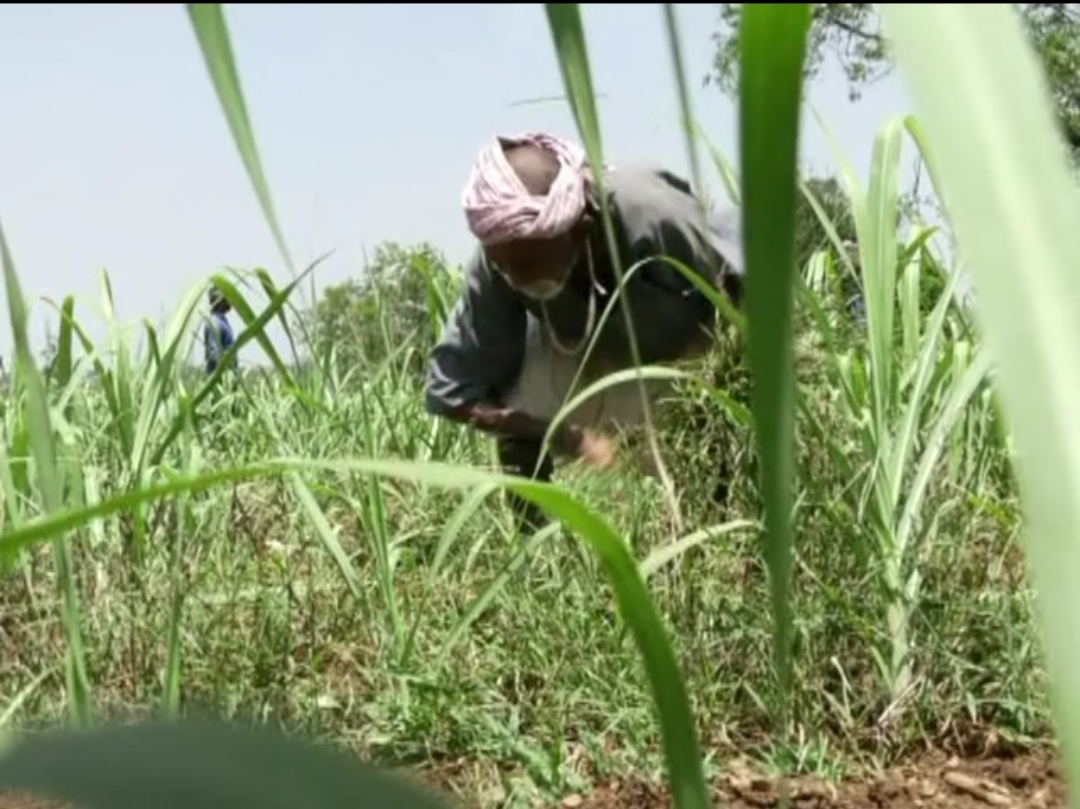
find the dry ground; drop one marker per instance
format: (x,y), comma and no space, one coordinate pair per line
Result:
(1029,780)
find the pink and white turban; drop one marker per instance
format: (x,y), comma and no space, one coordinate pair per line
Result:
(499,208)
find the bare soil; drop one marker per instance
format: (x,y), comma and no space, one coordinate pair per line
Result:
(20,800)
(1030,780)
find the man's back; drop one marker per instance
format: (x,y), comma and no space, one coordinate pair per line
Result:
(654,213)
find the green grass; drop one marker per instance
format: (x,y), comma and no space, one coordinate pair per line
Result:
(335,604)
(245,548)
(271,630)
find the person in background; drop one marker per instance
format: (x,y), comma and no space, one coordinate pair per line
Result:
(217,334)
(534,290)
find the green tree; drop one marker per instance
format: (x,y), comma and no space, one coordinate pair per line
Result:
(392,307)
(851,34)
(810,234)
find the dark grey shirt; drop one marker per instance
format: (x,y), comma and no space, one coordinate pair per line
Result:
(654,213)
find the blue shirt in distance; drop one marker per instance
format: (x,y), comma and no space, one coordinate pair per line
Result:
(217,339)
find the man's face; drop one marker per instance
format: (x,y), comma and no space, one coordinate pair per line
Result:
(538,268)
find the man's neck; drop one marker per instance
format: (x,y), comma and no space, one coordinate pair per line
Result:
(601,271)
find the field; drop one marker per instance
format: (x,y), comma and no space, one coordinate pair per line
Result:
(220,548)
(408,623)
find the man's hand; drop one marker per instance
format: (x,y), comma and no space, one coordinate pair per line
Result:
(596,449)
(569,440)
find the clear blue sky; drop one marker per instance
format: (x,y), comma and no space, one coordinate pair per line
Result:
(114,153)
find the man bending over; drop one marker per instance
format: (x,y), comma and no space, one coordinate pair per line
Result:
(539,283)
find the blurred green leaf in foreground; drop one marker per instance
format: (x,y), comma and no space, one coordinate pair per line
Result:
(182,765)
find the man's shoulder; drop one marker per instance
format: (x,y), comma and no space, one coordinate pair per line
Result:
(652,203)
(642,179)
(644,195)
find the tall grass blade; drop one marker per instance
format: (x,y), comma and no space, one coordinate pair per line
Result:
(1013,201)
(327,536)
(773,43)
(671,28)
(568,36)
(43,449)
(666,554)
(62,363)
(208,20)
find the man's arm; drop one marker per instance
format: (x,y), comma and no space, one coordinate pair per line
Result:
(479,357)
(504,421)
